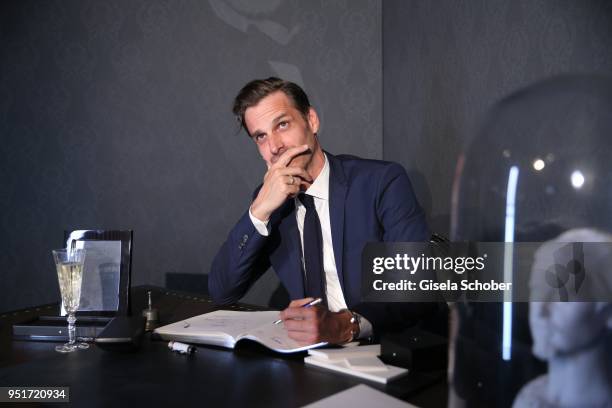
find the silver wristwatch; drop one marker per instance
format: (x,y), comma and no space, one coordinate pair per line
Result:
(355,320)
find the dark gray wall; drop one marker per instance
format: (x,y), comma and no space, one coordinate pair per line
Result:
(446,61)
(116,114)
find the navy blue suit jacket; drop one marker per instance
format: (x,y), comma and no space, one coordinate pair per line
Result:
(369,201)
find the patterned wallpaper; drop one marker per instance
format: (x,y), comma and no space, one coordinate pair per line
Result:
(447,61)
(116,114)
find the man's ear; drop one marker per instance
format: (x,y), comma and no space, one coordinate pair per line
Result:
(313,120)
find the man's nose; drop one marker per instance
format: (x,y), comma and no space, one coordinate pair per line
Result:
(275,143)
(544,309)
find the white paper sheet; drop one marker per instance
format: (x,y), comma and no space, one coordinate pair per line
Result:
(360,396)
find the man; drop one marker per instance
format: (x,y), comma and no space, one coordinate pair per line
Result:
(310,220)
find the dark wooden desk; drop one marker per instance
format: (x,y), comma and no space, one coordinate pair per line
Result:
(248,376)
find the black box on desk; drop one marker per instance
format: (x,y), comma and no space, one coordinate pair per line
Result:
(415,349)
(55,328)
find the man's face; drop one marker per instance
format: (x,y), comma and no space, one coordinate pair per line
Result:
(276,125)
(558,328)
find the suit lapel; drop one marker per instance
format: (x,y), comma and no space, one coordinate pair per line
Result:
(337,199)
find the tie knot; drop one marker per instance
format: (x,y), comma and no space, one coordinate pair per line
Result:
(307,200)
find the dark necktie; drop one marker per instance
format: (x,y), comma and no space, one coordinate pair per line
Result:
(313,250)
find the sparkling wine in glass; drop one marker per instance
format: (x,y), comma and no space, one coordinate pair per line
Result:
(69,265)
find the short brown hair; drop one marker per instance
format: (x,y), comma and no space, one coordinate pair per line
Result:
(256,90)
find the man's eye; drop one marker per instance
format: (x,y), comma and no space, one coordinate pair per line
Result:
(258,138)
(283,125)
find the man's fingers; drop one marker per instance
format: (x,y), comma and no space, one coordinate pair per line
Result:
(293,181)
(299,313)
(288,155)
(290,184)
(304,337)
(295,313)
(286,173)
(296,172)
(295,309)
(299,325)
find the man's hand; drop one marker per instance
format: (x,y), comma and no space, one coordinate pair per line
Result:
(316,324)
(280,182)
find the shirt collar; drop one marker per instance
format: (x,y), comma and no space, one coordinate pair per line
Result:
(320,187)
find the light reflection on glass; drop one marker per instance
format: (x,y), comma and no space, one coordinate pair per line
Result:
(538,164)
(508,257)
(577,179)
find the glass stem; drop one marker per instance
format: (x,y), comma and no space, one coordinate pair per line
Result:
(71,329)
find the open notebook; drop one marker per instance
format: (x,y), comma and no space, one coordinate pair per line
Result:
(225,328)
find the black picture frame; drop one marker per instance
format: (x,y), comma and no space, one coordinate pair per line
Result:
(125,268)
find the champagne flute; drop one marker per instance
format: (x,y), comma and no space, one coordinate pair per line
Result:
(69,265)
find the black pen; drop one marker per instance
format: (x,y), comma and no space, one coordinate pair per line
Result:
(311,303)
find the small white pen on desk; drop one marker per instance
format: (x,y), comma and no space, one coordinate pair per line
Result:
(181,348)
(311,303)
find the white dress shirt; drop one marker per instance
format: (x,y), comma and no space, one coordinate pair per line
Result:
(319,189)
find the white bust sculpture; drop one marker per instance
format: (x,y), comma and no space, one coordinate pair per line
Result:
(574,337)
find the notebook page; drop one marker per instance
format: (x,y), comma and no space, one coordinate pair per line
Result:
(221,327)
(228,321)
(274,336)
